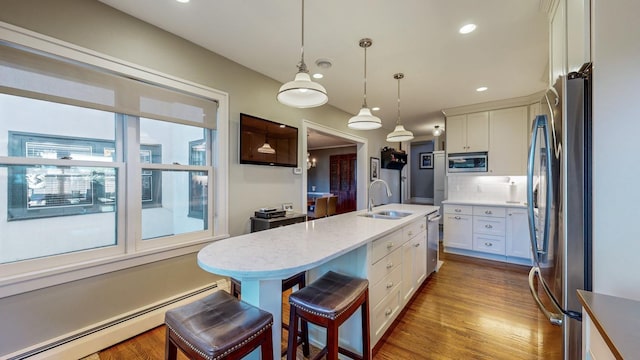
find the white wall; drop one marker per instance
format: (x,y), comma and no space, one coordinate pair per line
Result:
(616,125)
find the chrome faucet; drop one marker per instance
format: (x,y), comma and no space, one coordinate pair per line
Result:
(370,208)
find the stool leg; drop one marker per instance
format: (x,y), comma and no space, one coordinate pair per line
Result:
(267,345)
(366,346)
(332,340)
(171,350)
(292,342)
(304,334)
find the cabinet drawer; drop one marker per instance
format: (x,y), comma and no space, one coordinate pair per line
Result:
(384,313)
(488,225)
(415,228)
(489,211)
(458,209)
(489,244)
(385,266)
(385,286)
(385,245)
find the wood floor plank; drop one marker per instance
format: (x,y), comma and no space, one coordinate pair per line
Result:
(470,309)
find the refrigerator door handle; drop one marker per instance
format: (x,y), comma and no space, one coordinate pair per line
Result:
(530,186)
(555,318)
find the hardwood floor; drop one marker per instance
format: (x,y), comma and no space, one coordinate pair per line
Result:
(470,309)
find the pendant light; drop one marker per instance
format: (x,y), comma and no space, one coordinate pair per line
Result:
(399,134)
(437,131)
(365,120)
(302,92)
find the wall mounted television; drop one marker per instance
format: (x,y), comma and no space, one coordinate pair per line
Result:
(265,142)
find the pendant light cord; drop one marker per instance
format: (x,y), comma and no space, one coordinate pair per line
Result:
(302,67)
(398,123)
(364,100)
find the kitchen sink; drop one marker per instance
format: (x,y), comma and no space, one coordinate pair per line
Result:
(386,214)
(393,213)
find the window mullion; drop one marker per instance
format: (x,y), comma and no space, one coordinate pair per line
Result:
(132,191)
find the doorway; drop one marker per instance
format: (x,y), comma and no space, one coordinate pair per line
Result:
(340,143)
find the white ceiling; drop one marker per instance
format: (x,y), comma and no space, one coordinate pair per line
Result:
(508,52)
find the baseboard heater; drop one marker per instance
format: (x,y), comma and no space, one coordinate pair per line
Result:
(112,323)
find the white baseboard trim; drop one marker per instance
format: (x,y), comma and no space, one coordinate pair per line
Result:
(108,335)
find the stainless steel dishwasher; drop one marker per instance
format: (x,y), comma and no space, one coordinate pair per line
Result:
(433,241)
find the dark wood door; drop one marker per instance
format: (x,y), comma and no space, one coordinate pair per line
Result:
(342,181)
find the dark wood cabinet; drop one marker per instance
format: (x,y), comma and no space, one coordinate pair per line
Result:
(259,224)
(342,181)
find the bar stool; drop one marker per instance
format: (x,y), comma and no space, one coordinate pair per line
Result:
(328,302)
(299,280)
(218,326)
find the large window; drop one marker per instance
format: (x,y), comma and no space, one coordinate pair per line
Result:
(96,165)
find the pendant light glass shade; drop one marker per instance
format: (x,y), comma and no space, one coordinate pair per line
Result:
(302,92)
(266,149)
(399,134)
(437,131)
(365,120)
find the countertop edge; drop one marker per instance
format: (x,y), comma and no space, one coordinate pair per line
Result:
(286,271)
(605,311)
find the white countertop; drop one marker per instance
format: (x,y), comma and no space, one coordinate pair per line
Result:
(486,202)
(284,251)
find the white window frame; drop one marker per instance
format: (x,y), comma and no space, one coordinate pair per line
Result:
(38,273)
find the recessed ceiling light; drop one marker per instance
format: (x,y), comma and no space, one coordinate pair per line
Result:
(324,63)
(467,28)
(482,88)
(375,108)
(318,76)
(183,1)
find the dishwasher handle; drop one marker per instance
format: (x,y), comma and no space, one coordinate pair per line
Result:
(434,219)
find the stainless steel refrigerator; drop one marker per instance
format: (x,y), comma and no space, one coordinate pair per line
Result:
(559,200)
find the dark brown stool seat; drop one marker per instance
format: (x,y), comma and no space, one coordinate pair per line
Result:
(218,326)
(299,280)
(328,302)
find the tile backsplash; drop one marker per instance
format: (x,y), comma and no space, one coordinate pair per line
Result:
(485,188)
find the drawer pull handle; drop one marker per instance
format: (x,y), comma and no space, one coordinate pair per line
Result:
(488,212)
(410,233)
(457,217)
(389,265)
(389,284)
(389,245)
(488,244)
(458,210)
(388,312)
(489,226)
(416,245)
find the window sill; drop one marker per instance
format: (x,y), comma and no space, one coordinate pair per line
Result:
(40,279)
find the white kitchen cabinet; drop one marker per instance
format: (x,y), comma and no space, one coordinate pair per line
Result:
(468,133)
(458,226)
(518,239)
(508,141)
(414,258)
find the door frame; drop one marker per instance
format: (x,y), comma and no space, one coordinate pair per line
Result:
(362,162)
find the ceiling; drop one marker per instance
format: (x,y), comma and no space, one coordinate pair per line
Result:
(508,52)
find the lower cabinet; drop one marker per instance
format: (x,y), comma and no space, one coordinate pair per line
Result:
(492,232)
(458,226)
(398,266)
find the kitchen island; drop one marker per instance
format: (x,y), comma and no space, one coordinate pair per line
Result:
(361,246)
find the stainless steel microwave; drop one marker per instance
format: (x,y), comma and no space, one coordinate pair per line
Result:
(468,162)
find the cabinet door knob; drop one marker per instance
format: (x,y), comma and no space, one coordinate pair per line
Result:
(388,312)
(389,284)
(416,245)
(489,226)
(389,245)
(389,265)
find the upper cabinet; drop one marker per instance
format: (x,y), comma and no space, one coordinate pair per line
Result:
(468,133)
(508,141)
